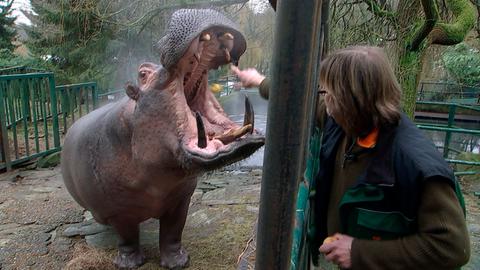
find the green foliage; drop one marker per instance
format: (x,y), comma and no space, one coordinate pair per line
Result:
(77,44)
(463,64)
(7,30)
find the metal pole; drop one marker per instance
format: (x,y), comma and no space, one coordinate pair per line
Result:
(288,128)
(451,119)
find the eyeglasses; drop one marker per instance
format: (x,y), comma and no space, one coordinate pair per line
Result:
(322,92)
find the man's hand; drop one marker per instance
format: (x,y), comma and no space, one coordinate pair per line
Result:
(249,77)
(339,251)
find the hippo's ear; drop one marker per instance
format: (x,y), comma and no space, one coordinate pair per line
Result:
(133,91)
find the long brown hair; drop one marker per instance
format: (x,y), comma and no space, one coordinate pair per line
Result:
(363,90)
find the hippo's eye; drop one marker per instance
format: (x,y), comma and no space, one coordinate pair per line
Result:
(142,74)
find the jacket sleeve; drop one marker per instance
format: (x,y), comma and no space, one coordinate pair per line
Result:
(442,240)
(264,88)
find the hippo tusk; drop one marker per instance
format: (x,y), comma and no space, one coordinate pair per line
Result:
(202,139)
(249,118)
(233,134)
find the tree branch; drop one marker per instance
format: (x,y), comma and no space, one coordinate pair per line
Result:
(431,17)
(379,11)
(454,33)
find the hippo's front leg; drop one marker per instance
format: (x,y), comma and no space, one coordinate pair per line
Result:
(172,253)
(129,253)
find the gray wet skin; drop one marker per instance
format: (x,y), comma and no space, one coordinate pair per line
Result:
(139,158)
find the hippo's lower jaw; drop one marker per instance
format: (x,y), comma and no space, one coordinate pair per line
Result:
(210,151)
(234,152)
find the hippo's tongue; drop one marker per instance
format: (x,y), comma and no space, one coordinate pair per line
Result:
(232,134)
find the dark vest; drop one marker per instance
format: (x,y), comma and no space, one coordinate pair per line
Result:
(384,201)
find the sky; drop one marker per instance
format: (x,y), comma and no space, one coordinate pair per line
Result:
(17,6)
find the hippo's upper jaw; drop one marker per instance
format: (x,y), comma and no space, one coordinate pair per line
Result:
(207,138)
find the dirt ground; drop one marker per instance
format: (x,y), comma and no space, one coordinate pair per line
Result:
(41,227)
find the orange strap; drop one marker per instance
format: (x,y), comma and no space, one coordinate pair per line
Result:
(370,140)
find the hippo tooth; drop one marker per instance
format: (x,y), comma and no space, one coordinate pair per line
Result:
(205,37)
(227,54)
(249,114)
(227,36)
(202,139)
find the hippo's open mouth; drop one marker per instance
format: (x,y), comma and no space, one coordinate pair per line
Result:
(195,42)
(213,138)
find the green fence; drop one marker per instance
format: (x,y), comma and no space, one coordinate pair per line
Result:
(76,100)
(31,109)
(29,127)
(458,127)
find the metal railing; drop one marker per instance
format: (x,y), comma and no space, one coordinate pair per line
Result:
(110,96)
(456,112)
(19,70)
(76,100)
(29,126)
(448,92)
(31,109)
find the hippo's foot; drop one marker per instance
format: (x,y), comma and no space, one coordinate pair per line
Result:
(175,260)
(128,260)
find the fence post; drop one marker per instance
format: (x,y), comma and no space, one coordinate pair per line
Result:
(4,131)
(451,119)
(95,96)
(53,104)
(25,114)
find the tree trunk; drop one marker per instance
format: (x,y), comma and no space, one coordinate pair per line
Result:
(407,64)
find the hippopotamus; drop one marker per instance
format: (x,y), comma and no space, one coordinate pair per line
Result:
(139,158)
